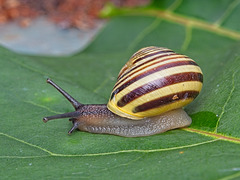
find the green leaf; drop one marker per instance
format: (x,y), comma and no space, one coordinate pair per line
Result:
(208,149)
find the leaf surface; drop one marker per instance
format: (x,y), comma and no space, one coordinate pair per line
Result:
(208,149)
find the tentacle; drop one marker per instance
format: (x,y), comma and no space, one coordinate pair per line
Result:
(65,115)
(75,126)
(73,101)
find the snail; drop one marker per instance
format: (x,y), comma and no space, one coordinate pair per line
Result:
(148,98)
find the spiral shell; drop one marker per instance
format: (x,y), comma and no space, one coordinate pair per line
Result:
(155,80)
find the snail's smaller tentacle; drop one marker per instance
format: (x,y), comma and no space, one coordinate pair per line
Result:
(75,126)
(59,116)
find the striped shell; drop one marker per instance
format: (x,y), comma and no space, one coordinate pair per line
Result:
(155,80)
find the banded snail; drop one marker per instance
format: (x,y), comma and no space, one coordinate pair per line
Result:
(147,99)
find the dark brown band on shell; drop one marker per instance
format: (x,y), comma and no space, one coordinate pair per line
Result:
(163,101)
(157,84)
(138,67)
(151,71)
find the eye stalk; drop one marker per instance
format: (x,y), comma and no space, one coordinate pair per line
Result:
(73,101)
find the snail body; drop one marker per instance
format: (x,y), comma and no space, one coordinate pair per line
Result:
(147,98)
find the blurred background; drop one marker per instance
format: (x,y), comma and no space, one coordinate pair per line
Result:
(54,27)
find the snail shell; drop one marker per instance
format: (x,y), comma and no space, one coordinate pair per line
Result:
(155,80)
(151,88)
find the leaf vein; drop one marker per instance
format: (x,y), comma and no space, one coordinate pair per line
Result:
(188,38)
(196,23)
(105,153)
(27,143)
(233,176)
(213,135)
(175,5)
(185,20)
(42,106)
(228,11)
(227,100)
(146,31)
(24,157)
